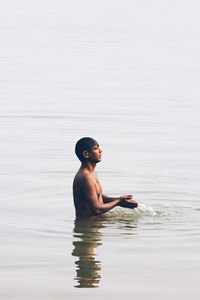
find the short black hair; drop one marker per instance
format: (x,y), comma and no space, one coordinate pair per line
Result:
(86,143)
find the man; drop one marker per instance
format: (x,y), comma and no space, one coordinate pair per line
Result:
(87,191)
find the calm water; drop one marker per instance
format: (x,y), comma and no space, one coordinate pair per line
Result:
(126,73)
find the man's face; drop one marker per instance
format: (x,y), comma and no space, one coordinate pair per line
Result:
(95,154)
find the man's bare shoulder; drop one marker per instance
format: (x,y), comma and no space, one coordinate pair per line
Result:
(83,177)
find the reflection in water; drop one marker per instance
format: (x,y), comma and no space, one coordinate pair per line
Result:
(89,237)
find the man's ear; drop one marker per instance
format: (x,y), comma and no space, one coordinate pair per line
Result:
(85,154)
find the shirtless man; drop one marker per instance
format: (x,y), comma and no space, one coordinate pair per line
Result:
(87,191)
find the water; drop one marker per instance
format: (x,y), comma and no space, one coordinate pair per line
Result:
(127,74)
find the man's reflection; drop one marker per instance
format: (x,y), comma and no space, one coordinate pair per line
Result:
(86,238)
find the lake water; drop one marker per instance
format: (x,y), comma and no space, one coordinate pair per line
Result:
(127,74)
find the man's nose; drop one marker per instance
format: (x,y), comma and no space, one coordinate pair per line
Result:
(100,150)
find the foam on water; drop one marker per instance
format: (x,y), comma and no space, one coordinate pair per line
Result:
(143,210)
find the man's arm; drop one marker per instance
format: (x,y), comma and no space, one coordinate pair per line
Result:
(107,199)
(126,200)
(90,195)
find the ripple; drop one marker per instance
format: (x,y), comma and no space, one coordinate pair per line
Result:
(139,212)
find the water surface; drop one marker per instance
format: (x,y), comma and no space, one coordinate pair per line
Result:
(127,74)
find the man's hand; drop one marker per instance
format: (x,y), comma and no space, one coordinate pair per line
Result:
(126,201)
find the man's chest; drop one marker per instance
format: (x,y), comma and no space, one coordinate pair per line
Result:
(97,185)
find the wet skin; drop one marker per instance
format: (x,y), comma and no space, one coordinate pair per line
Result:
(89,200)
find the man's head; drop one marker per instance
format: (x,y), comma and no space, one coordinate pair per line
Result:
(85,147)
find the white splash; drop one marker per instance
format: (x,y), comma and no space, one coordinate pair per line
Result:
(127,213)
(145,209)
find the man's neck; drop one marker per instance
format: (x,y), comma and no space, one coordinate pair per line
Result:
(88,165)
